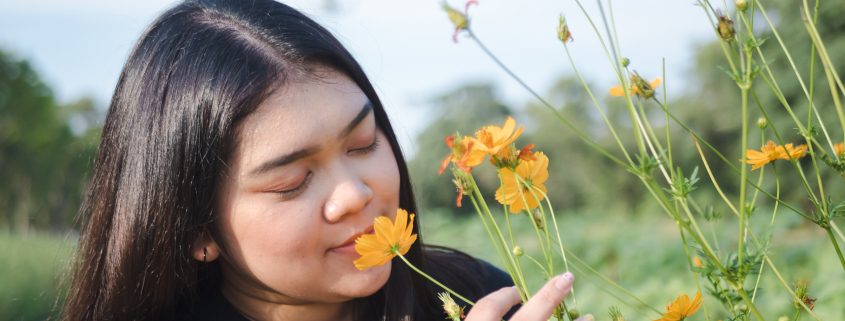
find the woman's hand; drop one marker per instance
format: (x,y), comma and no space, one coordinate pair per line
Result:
(539,308)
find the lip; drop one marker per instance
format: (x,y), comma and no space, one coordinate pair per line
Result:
(348,246)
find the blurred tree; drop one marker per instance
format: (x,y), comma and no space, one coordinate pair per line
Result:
(43,163)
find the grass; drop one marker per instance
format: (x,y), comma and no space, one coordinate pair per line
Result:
(643,253)
(31,270)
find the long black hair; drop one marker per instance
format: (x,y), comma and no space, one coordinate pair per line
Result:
(196,72)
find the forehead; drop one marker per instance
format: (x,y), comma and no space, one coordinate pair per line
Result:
(309,111)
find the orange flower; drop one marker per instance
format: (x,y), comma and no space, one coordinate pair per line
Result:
(465,154)
(639,87)
(795,152)
(681,308)
(772,152)
(839,150)
(519,194)
(495,139)
(767,154)
(388,240)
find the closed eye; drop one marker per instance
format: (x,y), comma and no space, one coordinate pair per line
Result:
(293,192)
(368,149)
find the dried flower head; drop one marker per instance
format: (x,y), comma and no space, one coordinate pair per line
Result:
(725,27)
(453,311)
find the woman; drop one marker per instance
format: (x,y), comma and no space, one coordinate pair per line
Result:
(243,152)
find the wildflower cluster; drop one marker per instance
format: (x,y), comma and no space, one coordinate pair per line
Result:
(523,172)
(732,274)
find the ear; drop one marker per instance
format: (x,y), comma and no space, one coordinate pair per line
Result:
(205,249)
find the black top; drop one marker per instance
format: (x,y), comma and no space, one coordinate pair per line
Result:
(215,307)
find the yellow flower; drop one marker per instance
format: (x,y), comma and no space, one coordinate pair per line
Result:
(839,150)
(494,139)
(534,173)
(465,153)
(387,240)
(682,308)
(767,154)
(772,152)
(795,152)
(639,87)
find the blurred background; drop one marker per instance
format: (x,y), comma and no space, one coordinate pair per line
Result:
(60,60)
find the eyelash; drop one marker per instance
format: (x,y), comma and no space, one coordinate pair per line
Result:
(288,194)
(368,149)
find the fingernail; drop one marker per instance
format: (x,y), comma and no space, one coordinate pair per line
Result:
(564,281)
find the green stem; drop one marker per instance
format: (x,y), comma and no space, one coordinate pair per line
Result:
(835,246)
(433,280)
(583,136)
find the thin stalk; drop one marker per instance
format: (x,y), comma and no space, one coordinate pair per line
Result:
(467,301)
(560,244)
(830,70)
(597,105)
(743,209)
(699,237)
(836,247)
(695,275)
(510,265)
(507,254)
(837,230)
(545,103)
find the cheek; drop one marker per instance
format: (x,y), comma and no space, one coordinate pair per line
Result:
(261,235)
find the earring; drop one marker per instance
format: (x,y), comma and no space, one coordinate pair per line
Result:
(204,255)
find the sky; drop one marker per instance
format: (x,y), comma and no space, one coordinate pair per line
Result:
(79,47)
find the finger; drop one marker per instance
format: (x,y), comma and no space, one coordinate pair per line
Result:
(544,302)
(494,305)
(588,317)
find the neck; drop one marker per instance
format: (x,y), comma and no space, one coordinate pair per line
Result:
(282,308)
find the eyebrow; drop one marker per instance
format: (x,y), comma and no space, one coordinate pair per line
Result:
(311,150)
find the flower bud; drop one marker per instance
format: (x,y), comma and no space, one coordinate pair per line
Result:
(573,314)
(625,61)
(517,251)
(741,307)
(741,5)
(459,19)
(538,219)
(762,122)
(563,33)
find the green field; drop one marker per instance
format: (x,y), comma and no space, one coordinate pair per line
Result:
(31,274)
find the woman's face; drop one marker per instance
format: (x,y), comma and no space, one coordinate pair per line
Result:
(309,173)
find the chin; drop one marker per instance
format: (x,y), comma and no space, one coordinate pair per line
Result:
(368,282)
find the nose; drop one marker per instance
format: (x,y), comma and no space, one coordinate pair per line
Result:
(350,195)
